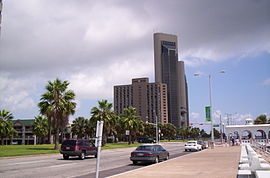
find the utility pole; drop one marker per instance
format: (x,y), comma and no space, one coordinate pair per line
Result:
(220,128)
(157,130)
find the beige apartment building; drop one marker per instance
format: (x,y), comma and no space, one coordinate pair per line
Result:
(149,99)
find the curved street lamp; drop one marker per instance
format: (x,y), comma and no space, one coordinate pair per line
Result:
(210,99)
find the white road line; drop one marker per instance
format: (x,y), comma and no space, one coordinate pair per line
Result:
(27,162)
(60,165)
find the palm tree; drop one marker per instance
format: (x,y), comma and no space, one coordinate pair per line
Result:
(57,103)
(40,127)
(90,128)
(79,126)
(104,113)
(6,128)
(130,121)
(261,119)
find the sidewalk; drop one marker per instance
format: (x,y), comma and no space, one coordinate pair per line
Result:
(221,162)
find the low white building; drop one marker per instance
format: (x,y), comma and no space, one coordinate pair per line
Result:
(249,132)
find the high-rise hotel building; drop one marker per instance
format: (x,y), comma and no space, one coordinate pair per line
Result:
(170,71)
(149,99)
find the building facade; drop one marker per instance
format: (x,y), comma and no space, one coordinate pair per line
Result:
(149,99)
(25,135)
(170,71)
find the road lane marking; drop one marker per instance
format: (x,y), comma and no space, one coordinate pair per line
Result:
(27,162)
(60,165)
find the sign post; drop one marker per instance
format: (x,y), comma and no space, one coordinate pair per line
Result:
(99,130)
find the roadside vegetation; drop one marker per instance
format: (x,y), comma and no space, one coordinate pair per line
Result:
(23,150)
(52,125)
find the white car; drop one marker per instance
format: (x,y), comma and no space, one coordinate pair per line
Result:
(193,146)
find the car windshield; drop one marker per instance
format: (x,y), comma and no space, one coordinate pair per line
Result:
(191,142)
(69,142)
(147,148)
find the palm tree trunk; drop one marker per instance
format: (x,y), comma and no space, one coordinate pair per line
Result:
(49,135)
(129,138)
(56,146)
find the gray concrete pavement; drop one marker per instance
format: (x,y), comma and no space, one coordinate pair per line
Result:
(113,161)
(220,162)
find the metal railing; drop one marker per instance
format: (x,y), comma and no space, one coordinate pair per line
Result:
(262,146)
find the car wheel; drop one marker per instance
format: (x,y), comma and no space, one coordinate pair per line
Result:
(135,162)
(82,156)
(95,155)
(186,150)
(65,156)
(156,160)
(167,157)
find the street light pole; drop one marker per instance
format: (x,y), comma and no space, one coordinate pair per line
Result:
(156,129)
(211,109)
(210,100)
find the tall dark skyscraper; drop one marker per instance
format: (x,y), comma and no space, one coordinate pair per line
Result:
(172,72)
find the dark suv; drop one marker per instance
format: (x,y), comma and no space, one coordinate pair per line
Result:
(77,147)
(146,140)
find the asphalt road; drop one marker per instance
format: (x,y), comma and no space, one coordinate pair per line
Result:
(112,162)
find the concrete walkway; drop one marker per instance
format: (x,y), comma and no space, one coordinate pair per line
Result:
(220,162)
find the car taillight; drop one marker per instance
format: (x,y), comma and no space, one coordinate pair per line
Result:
(133,154)
(76,147)
(148,154)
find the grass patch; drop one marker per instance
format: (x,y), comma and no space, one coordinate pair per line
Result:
(23,150)
(119,145)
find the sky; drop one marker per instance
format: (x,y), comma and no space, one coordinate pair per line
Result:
(98,44)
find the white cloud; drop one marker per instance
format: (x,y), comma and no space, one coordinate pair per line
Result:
(15,93)
(216,115)
(266,82)
(98,82)
(195,115)
(237,119)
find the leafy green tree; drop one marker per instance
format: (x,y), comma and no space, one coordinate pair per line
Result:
(79,127)
(130,121)
(184,132)
(149,130)
(6,128)
(261,119)
(40,127)
(204,134)
(168,131)
(195,132)
(46,108)
(58,103)
(216,133)
(104,113)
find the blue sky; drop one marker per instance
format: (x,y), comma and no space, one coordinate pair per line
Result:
(108,43)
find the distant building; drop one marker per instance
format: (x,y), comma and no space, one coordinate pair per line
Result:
(170,71)
(25,134)
(149,99)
